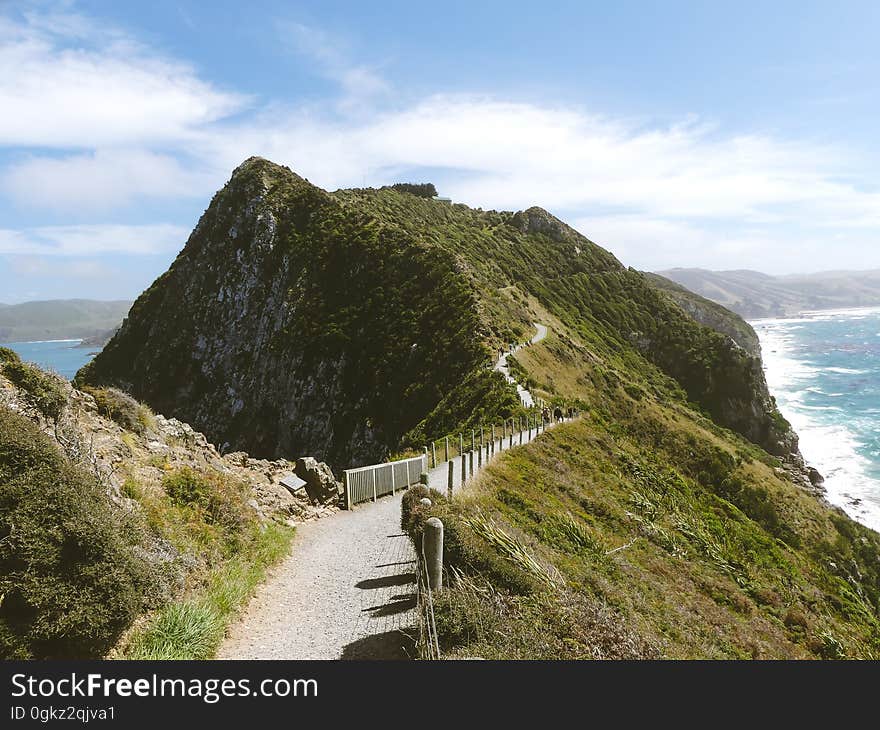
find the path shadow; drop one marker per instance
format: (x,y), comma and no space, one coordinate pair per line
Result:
(387,581)
(388,645)
(394,607)
(402,562)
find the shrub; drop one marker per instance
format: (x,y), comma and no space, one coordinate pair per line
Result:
(216,499)
(421,190)
(121,408)
(409,505)
(463,549)
(8,356)
(41,390)
(72,570)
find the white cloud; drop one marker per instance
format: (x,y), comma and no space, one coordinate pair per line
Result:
(137,125)
(102,179)
(89,240)
(66,83)
(62,268)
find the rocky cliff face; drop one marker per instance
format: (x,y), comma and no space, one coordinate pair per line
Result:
(287,326)
(343,325)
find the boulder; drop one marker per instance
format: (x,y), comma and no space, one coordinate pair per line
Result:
(321,485)
(816,479)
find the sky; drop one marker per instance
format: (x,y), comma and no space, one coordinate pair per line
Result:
(719,135)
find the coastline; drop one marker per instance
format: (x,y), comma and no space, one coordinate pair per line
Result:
(828,440)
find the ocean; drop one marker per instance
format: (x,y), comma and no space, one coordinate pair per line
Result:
(824,369)
(62,356)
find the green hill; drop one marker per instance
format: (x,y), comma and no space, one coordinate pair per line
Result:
(58,319)
(674,519)
(351,324)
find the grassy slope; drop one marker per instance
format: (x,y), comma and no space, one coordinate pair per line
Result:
(671,540)
(59,319)
(610,323)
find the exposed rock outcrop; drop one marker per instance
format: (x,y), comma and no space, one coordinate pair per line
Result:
(321,485)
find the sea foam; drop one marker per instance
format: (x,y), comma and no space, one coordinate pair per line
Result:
(810,366)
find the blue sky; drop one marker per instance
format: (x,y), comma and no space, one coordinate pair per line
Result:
(736,135)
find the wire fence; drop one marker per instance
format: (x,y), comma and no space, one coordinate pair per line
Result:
(429,641)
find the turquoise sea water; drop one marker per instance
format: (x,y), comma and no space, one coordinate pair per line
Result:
(62,356)
(824,369)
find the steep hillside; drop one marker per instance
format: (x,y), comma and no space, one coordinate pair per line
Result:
(638,533)
(348,324)
(709,313)
(59,319)
(755,295)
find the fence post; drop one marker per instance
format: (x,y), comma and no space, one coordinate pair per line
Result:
(347,489)
(424,478)
(392,479)
(446,453)
(472,462)
(473,439)
(460,443)
(449,483)
(482,441)
(511,434)
(433,454)
(463,467)
(373,473)
(480,457)
(520,430)
(432,549)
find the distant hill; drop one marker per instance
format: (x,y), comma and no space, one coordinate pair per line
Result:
(754,295)
(59,319)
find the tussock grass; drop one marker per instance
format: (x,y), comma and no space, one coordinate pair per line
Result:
(671,540)
(513,550)
(194,628)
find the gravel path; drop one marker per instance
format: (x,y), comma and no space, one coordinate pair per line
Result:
(501,365)
(348,589)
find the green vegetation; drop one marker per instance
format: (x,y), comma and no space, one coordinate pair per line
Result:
(391,307)
(77,571)
(194,627)
(634,533)
(709,313)
(74,572)
(41,390)
(122,408)
(422,190)
(205,516)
